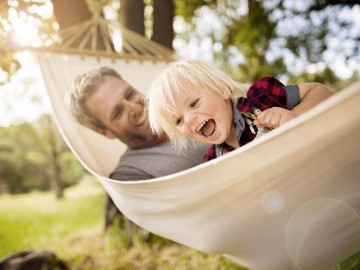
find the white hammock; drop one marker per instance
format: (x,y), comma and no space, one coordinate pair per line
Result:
(289,200)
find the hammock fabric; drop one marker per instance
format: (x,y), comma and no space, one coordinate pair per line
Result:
(289,200)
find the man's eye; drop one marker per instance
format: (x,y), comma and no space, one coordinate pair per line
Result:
(130,95)
(194,102)
(117,113)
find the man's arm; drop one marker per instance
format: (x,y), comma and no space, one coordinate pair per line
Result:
(129,169)
(128,176)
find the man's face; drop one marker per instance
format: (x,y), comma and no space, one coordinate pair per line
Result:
(121,110)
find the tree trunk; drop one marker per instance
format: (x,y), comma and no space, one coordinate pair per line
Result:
(132,15)
(163,31)
(69,13)
(54,155)
(57,183)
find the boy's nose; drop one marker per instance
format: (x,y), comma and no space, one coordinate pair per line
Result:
(189,118)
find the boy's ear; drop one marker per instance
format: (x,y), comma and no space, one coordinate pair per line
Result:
(107,133)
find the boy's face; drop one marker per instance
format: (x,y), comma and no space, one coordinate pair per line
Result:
(205,117)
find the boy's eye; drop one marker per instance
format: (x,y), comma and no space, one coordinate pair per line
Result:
(178,121)
(194,102)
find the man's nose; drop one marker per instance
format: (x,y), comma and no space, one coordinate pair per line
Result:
(134,109)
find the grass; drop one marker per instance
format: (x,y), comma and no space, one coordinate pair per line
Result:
(73,228)
(37,220)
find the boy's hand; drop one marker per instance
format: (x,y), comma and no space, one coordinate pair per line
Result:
(273,117)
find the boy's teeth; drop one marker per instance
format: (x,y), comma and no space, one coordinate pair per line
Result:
(202,124)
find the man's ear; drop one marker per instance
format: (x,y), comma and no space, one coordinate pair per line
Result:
(107,133)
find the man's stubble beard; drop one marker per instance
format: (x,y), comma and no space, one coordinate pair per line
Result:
(139,140)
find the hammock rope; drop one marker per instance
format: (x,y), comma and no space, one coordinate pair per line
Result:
(98,30)
(133,45)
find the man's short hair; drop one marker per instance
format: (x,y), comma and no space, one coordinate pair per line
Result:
(82,88)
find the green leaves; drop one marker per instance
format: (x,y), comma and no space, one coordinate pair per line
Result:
(23,23)
(279,38)
(187,8)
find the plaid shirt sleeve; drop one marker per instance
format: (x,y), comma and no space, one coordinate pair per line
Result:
(265,93)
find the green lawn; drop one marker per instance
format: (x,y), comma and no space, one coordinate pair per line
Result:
(73,228)
(37,220)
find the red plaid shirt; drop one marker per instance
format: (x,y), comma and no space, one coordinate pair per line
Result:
(263,94)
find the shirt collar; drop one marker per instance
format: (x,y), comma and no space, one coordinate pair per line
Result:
(239,124)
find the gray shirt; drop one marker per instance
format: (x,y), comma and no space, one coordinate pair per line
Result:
(156,161)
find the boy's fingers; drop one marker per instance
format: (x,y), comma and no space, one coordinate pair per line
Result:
(260,123)
(261,118)
(275,120)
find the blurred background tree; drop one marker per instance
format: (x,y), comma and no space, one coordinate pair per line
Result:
(34,156)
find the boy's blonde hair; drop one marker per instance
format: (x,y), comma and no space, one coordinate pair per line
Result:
(180,77)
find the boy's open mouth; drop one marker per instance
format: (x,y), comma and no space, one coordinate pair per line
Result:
(207,128)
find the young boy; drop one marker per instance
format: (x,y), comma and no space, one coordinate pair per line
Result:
(191,99)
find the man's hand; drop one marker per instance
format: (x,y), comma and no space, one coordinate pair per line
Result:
(274,117)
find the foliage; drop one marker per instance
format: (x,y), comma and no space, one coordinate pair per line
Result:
(187,8)
(14,16)
(277,37)
(27,157)
(253,42)
(72,228)
(327,77)
(249,38)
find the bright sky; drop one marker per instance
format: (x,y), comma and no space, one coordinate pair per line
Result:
(24,98)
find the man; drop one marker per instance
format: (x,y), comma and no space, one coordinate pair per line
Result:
(102,101)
